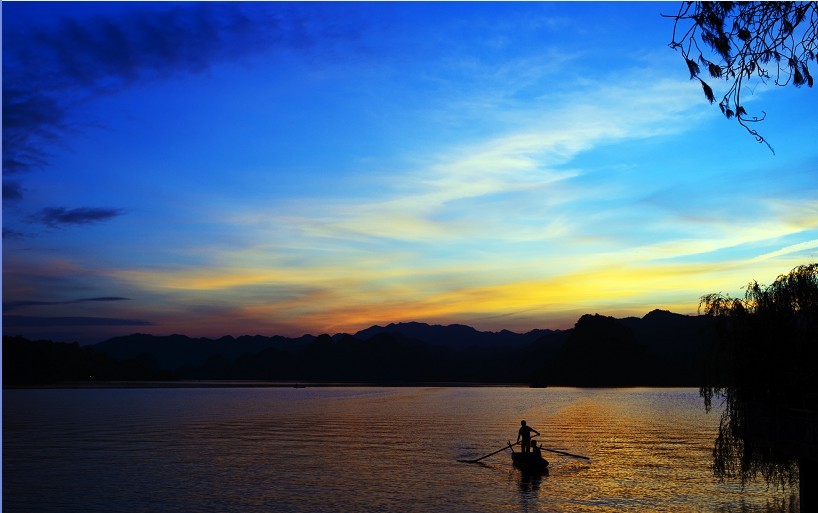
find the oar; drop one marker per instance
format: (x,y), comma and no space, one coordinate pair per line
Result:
(509,446)
(566,453)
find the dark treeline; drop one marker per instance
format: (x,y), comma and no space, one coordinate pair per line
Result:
(660,349)
(43,362)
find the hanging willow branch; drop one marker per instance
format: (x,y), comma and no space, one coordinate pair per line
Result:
(765,370)
(739,41)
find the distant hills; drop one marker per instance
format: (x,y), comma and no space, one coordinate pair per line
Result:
(659,349)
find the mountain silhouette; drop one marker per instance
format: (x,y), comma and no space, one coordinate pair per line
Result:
(601,351)
(454,336)
(177,351)
(661,348)
(679,343)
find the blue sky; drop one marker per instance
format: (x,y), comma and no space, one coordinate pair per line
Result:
(290,168)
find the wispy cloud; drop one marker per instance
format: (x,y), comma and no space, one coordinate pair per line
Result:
(12,191)
(23,321)
(453,193)
(60,216)
(54,68)
(12,234)
(808,248)
(13,305)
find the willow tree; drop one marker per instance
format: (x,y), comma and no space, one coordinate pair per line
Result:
(765,371)
(743,42)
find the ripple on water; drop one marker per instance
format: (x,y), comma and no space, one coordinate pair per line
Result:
(361,449)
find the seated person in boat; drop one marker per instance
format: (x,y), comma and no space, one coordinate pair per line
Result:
(535,451)
(524,435)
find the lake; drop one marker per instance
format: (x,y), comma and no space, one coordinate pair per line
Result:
(362,449)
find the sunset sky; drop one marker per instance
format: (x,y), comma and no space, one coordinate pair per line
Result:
(287,168)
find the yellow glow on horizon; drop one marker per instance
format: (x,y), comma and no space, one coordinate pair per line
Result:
(347,299)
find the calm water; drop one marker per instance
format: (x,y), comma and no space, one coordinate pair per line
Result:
(361,449)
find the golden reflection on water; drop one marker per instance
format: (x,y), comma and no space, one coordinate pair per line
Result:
(363,449)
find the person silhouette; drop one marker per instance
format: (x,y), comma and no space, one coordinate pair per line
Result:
(524,436)
(535,451)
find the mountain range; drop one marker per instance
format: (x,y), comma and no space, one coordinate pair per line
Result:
(659,349)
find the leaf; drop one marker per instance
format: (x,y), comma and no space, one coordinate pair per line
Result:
(718,42)
(723,47)
(693,68)
(708,92)
(786,27)
(744,34)
(728,113)
(741,112)
(797,78)
(715,70)
(709,38)
(800,13)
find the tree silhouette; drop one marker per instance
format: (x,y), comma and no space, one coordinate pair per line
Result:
(765,368)
(737,41)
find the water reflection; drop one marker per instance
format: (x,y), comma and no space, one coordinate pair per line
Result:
(362,449)
(529,482)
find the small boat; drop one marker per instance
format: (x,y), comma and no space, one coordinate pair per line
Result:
(529,462)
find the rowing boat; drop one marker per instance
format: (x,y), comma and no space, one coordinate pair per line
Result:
(529,462)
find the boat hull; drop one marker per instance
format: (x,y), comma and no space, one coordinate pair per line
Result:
(529,462)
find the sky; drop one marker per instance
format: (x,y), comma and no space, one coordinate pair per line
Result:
(219,169)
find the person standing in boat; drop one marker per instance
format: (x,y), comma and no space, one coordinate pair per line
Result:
(524,436)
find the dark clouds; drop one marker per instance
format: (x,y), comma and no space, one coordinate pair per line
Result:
(48,71)
(25,321)
(51,69)
(59,216)
(30,118)
(12,190)
(31,321)
(13,305)
(10,234)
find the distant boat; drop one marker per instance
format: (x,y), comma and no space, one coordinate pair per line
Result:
(529,462)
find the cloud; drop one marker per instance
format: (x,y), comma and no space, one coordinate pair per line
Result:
(10,234)
(13,305)
(59,216)
(517,183)
(57,67)
(801,249)
(30,118)
(12,190)
(24,321)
